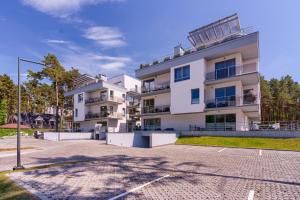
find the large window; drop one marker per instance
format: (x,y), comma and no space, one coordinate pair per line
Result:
(148,106)
(195,95)
(225,96)
(221,122)
(148,85)
(80,98)
(225,69)
(152,124)
(182,73)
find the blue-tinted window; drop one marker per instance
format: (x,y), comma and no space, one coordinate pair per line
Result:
(195,95)
(225,96)
(182,73)
(225,69)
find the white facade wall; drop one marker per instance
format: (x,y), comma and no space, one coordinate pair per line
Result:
(80,107)
(181,91)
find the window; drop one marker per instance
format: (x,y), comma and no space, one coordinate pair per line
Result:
(225,96)
(148,85)
(225,69)
(152,124)
(182,73)
(76,112)
(80,98)
(221,122)
(195,96)
(111,93)
(111,109)
(148,106)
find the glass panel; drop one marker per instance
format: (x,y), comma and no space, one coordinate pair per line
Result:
(195,96)
(230,91)
(210,119)
(220,118)
(220,92)
(230,118)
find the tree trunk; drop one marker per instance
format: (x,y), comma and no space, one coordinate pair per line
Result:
(56,117)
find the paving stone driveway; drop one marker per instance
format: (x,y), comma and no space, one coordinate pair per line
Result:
(186,172)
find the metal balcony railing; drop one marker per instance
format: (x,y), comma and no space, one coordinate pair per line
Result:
(156,87)
(228,101)
(231,72)
(156,109)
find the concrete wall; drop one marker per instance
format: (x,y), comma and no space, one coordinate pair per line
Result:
(127,139)
(158,139)
(268,134)
(181,91)
(141,139)
(67,136)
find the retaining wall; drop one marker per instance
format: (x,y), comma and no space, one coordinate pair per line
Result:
(67,136)
(267,133)
(141,139)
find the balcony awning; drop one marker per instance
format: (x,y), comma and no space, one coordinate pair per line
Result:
(215,31)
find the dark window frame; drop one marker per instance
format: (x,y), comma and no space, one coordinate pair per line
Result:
(195,99)
(179,73)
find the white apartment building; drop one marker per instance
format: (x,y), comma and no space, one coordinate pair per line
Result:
(215,85)
(113,103)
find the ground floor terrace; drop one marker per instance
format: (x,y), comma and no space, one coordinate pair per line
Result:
(217,120)
(101,171)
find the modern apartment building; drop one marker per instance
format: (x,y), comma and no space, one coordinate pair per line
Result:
(113,103)
(215,85)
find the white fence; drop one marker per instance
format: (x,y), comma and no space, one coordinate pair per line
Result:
(67,136)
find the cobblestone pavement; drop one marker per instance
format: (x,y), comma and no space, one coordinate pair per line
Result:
(168,172)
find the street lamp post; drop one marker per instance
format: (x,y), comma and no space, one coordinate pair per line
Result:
(19,166)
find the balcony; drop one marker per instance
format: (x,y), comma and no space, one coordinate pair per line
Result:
(107,115)
(156,89)
(103,99)
(221,75)
(164,109)
(90,116)
(232,101)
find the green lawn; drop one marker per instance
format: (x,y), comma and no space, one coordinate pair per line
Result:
(243,142)
(10,191)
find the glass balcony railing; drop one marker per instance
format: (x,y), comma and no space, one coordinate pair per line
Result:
(100,99)
(157,87)
(229,101)
(156,109)
(231,72)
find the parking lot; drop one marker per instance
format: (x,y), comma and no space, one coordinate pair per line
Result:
(166,172)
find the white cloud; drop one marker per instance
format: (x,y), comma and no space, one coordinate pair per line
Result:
(113,65)
(54,41)
(87,61)
(105,36)
(62,8)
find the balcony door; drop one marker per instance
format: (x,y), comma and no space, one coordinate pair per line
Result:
(148,105)
(103,111)
(148,85)
(225,96)
(225,69)
(221,122)
(152,124)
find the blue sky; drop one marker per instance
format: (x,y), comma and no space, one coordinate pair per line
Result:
(115,36)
